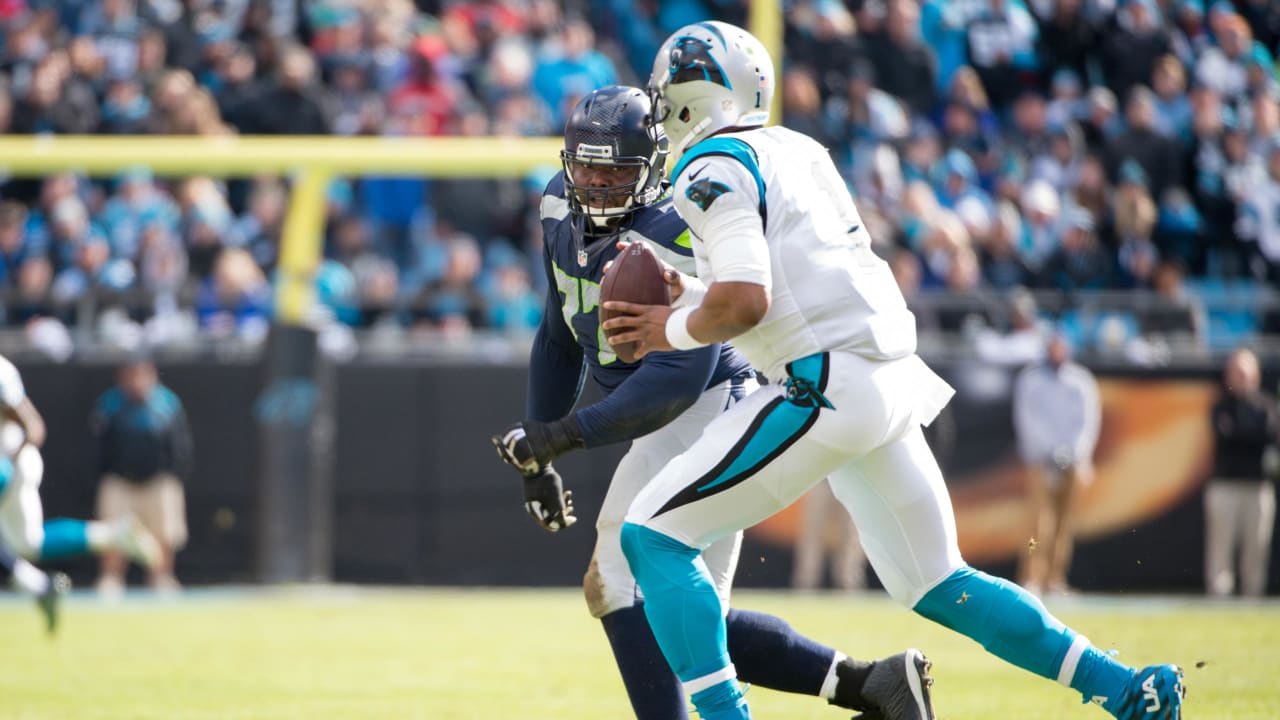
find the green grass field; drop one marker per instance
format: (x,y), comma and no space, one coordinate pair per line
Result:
(496,654)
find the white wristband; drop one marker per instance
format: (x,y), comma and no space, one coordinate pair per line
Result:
(678,330)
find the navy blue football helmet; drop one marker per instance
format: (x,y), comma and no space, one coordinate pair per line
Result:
(608,131)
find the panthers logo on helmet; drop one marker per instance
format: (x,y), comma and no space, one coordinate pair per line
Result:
(705,191)
(691,61)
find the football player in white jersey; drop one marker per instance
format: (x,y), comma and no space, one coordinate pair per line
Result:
(786,270)
(23,529)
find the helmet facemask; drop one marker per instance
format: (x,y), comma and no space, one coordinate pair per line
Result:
(603,188)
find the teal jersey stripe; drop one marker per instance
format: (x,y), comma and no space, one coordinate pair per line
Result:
(777,427)
(735,148)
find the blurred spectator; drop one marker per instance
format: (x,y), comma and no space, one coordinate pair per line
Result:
(144,455)
(453,302)
(1002,266)
(1260,218)
(1101,123)
(1060,165)
(205,221)
(1068,39)
(863,118)
(802,104)
(1002,48)
(571,69)
(126,110)
(136,203)
(1174,314)
(1067,104)
(1172,117)
(1157,156)
(1135,221)
(904,64)
(425,103)
(1239,501)
(14,250)
(295,105)
(1132,46)
(509,297)
(1039,240)
(1080,262)
(53,105)
(906,271)
(239,89)
(944,27)
(115,28)
(821,36)
(1223,67)
(1024,341)
(827,536)
(235,299)
(1057,416)
(259,229)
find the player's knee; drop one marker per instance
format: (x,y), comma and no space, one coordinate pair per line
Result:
(632,540)
(26,542)
(604,597)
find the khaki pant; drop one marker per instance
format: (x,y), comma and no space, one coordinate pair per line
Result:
(158,503)
(827,533)
(1238,514)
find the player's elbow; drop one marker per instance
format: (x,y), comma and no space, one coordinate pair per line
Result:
(749,307)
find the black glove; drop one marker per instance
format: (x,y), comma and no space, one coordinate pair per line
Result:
(546,500)
(530,446)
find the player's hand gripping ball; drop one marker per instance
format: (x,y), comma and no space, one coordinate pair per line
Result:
(635,276)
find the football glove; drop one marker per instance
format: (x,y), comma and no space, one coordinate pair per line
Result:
(530,446)
(546,500)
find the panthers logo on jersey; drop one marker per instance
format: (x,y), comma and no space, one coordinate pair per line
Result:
(705,191)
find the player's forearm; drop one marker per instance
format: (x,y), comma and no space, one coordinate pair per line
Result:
(728,310)
(664,386)
(555,377)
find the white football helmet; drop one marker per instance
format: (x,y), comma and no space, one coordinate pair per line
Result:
(709,76)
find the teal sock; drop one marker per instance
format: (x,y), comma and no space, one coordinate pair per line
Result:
(722,701)
(1100,678)
(64,538)
(680,602)
(1014,625)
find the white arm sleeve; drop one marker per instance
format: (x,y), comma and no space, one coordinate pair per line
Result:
(694,291)
(12,392)
(719,198)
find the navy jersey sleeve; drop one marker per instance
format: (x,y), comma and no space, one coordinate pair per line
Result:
(556,367)
(665,385)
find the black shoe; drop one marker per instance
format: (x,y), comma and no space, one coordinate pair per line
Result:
(897,688)
(50,601)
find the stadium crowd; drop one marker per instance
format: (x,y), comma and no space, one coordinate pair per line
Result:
(1056,145)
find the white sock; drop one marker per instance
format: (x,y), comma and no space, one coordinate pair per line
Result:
(29,578)
(101,536)
(828,691)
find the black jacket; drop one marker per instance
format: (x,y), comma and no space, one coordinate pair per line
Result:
(1243,427)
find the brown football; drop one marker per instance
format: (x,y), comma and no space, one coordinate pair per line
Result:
(635,277)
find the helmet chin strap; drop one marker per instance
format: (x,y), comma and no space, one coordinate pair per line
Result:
(601,217)
(688,140)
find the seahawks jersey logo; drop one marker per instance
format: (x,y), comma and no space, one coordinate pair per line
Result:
(705,191)
(691,61)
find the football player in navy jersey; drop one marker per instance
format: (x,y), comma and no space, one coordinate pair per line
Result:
(613,191)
